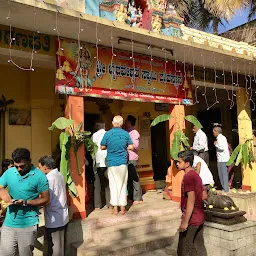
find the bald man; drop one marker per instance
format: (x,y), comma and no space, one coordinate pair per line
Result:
(223,156)
(117,141)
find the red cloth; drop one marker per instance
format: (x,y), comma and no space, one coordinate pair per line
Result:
(192,182)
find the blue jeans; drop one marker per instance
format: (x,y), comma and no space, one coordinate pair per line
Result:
(223,175)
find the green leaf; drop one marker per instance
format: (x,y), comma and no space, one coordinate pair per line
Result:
(234,155)
(161,118)
(240,156)
(176,145)
(185,141)
(65,144)
(245,154)
(78,127)
(251,153)
(70,184)
(192,119)
(61,123)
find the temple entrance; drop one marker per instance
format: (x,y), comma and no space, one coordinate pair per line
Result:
(159,151)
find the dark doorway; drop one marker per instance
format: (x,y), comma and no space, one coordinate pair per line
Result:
(159,151)
(89,121)
(207,118)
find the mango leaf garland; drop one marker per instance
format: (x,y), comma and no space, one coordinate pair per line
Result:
(192,119)
(61,123)
(161,118)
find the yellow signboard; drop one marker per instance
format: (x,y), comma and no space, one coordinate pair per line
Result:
(27,40)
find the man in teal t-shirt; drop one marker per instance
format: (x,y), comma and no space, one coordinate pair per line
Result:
(28,189)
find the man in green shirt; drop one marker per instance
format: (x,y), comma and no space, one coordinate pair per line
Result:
(28,189)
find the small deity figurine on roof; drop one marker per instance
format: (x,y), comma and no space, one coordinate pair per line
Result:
(132,15)
(162,4)
(170,10)
(121,14)
(139,18)
(156,23)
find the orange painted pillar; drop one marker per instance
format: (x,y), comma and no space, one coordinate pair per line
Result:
(176,176)
(75,111)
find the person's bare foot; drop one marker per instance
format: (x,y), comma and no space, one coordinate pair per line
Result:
(137,202)
(115,210)
(123,210)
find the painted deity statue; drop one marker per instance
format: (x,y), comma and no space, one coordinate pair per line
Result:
(132,13)
(121,15)
(170,10)
(162,4)
(139,18)
(156,23)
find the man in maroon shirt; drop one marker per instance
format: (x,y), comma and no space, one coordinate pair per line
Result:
(191,241)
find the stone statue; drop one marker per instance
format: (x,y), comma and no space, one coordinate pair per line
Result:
(121,15)
(156,23)
(219,201)
(222,209)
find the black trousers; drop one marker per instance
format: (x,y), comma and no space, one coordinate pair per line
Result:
(101,188)
(191,242)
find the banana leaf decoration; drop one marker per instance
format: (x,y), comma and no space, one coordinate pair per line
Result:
(243,153)
(161,118)
(61,123)
(180,141)
(83,138)
(65,146)
(192,119)
(78,138)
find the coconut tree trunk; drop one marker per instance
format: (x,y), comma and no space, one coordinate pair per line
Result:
(215,25)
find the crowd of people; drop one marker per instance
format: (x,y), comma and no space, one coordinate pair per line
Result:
(25,188)
(201,159)
(116,165)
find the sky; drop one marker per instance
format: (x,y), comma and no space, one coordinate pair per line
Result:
(239,19)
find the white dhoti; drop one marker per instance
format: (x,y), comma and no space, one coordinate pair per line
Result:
(118,176)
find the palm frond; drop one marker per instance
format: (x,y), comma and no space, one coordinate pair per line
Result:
(224,9)
(252,12)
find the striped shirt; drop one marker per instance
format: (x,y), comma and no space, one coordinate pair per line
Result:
(116,140)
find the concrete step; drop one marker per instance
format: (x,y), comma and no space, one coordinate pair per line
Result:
(133,246)
(128,230)
(158,252)
(121,223)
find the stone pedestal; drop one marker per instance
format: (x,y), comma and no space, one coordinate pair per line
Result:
(235,240)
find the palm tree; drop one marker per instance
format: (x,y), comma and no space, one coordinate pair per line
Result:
(202,14)
(4,103)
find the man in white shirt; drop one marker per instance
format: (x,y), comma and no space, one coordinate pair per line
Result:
(223,156)
(200,144)
(202,169)
(101,182)
(56,212)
